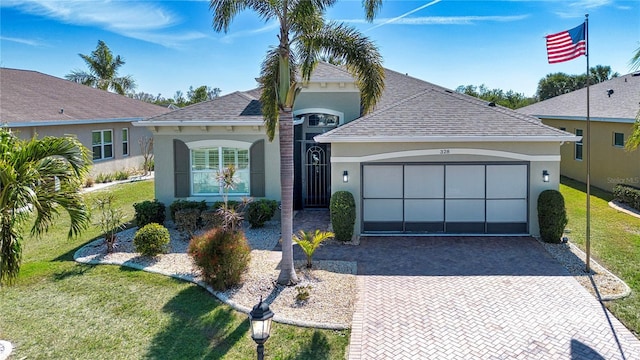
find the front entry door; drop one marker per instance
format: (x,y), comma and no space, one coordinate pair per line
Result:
(316,175)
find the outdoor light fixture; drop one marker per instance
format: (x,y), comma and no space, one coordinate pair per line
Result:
(260,319)
(545,176)
(345,176)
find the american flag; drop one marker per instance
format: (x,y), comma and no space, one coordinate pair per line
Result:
(566,45)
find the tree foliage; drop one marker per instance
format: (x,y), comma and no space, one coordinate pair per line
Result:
(303,37)
(560,83)
(103,71)
(510,99)
(194,96)
(40,176)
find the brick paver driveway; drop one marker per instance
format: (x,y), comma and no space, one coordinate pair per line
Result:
(474,298)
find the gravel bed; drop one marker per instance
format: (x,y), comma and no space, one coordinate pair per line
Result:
(331,284)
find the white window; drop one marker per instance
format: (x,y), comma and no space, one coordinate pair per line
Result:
(102,144)
(578,154)
(206,163)
(125,141)
(618,139)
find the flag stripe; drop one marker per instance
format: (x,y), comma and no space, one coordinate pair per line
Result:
(566,45)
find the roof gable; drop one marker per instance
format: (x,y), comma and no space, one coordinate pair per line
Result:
(28,96)
(622,103)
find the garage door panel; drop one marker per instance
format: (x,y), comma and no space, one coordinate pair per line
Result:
(464,181)
(507,210)
(382,181)
(464,210)
(382,210)
(424,181)
(423,210)
(506,181)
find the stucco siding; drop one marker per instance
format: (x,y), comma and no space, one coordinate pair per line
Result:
(610,165)
(119,162)
(164,157)
(539,156)
(344,102)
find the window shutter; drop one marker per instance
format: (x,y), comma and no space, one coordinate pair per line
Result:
(257,169)
(181,169)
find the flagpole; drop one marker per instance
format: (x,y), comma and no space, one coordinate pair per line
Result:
(588,232)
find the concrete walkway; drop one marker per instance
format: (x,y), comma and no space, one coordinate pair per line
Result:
(473,298)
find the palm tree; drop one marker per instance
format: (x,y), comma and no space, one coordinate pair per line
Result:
(103,71)
(303,38)
(38,176)
(309,242)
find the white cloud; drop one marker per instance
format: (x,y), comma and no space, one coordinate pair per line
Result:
(22,41)
(139,20)
(229,38)
(446,20)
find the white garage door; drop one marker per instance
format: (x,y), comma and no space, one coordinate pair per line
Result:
(445,198)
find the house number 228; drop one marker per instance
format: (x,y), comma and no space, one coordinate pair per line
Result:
(445,151)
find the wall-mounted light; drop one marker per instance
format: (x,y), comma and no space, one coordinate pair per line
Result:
(545,176)
(345,176)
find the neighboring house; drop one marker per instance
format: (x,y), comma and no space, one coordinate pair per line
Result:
(613,106)
(427,161)
(36,104)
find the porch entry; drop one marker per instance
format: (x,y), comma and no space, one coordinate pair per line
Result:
(446,198)
(316,187)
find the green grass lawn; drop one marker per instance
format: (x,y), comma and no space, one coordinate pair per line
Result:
(615,244)
(59,309)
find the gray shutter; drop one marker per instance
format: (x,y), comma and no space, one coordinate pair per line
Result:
(180,169)
(257,168)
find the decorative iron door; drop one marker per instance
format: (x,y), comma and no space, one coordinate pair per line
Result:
(316,176)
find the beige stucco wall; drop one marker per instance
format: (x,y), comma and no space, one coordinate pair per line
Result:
(164,167)
(119,162)
(610,165)
(541,156)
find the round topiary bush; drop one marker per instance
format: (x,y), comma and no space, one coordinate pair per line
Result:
(221,255)
(152,239)
(343,214)
(552,216)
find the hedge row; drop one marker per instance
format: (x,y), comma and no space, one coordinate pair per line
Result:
(628,195)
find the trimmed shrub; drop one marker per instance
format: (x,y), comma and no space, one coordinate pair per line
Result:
(186,204)
(343,214)
(211,218)
(187,220)
(152,239)
(628,195)
(221,255)
(148,212)
(233,204)
(552,216)
(261,211)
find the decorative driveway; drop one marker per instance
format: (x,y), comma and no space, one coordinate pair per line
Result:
(474,298)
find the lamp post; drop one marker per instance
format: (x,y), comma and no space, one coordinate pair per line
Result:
(260,319)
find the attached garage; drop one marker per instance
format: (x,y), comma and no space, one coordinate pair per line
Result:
(445,198)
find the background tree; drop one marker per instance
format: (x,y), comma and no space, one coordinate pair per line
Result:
(303,37)
(103,71)
(510,99)
(202,93)
(38,176)
(560,83)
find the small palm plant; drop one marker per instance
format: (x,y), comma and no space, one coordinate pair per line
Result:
(310,241)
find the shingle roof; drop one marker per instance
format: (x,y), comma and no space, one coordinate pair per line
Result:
(623,103)
(413,109)
(235,107)
(330,73)
(29,96)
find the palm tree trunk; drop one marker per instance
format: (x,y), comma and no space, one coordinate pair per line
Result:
(285,128)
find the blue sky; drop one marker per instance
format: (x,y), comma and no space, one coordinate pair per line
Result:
(170,45)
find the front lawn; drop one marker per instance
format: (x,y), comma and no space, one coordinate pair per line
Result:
(615,243)
(59,309)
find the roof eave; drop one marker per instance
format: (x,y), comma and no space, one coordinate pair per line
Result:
(434,139)
(174,123)
(584,118)
(71,122)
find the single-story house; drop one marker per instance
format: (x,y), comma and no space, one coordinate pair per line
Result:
(613,107)
(36,104)
(427,160)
